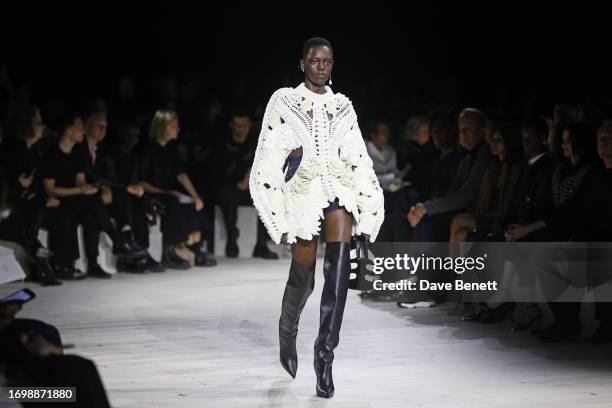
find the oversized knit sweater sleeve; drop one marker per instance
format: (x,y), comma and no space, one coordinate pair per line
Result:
(370,200)
(266,179)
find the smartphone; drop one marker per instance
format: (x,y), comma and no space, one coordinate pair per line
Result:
(21,296)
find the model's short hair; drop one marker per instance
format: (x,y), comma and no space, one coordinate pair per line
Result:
(160,122)
(315,42)
(475,114)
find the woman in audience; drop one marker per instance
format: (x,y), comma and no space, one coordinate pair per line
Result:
(162,174)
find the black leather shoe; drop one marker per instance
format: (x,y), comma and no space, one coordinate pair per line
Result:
(336,271)
(231,249)
(171,260)
(151,265)
(44,273)
(205,260)
(262,251)
(94,270)
(299,287)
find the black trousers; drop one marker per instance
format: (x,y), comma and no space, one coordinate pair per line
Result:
(62,221)
(229,198)
(179,220)
(25,220)
(127,209)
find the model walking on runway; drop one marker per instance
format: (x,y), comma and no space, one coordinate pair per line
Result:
(311,164)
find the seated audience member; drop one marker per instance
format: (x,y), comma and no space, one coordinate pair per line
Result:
(27,195)
(443,129)
(127,209)
(116,196)
(498,188)
(463,192)
(31,352)
(385,166)
(573,194)
(32,356)
(63,174)
(601,211)
(416,153)
(162,175)
(233,159)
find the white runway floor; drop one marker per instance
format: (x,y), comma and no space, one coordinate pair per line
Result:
(208,338)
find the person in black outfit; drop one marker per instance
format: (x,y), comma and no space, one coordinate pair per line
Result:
(233,158)
(115,195)
(27,194)
(533,200)
(462,194)
(31,353)
(63,173)
(127,209)
(600,222)
(418,151)
(443,130)
(573,193)
(162,174)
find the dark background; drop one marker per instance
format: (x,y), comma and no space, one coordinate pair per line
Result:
(392,58)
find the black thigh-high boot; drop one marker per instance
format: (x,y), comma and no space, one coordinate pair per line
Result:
(300,285)
(336,270)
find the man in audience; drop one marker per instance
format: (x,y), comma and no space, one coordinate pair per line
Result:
(463,191)
(233,160)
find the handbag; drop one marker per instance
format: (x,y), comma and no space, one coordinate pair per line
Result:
(361,276)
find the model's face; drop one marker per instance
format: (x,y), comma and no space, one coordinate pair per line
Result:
(172,130)
(470,133)
(96,127)
(318,65)
(240,127)
(604,144)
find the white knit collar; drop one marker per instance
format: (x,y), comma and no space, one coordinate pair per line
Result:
(313,96)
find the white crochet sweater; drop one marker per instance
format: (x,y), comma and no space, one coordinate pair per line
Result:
(335,164)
